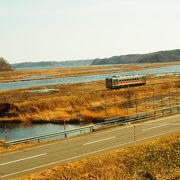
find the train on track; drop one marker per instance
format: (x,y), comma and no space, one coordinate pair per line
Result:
(125,81)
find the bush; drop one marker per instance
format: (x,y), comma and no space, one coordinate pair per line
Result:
(4,65)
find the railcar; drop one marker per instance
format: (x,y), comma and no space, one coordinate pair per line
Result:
(125,81)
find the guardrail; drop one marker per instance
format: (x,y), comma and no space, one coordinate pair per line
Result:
(107,122)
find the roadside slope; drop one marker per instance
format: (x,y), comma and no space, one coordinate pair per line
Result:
(157,159)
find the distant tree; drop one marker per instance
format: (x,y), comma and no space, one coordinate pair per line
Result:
(4,65)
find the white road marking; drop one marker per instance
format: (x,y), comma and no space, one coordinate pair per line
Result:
(39,166)
(10,162)
(154,127)
(101,150)
(156,135)
(97,133)
(99,140)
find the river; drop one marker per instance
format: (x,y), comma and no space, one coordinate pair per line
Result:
(79,79)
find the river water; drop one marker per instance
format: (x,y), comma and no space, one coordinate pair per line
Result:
(79,79)
(11,131)
(16,131)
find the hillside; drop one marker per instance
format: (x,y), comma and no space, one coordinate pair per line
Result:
(160,56)
(155,160)
(4,65)
(155,57)
(53,63)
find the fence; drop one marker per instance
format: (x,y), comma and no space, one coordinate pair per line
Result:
(107,122)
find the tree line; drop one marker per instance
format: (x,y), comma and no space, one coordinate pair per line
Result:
(4,65)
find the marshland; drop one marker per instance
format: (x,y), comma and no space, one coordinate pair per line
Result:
(61,102)
(81,92)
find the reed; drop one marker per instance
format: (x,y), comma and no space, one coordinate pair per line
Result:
(93,106)
(90,99)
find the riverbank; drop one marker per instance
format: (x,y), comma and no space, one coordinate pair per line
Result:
(157,159)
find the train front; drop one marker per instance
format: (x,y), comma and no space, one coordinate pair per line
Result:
(109,83)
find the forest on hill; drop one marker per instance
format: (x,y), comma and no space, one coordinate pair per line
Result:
(53,63)
(155,57)
(4,65)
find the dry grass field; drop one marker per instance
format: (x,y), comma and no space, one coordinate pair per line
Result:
(155,160)
(91,99)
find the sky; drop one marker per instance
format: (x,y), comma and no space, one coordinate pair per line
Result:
(60,30)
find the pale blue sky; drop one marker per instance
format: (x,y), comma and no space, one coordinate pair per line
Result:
(47,30)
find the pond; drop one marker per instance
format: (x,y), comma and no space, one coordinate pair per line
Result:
(11,131)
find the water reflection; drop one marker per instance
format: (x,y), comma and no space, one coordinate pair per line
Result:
(35,76)
(10,131)
(41,90)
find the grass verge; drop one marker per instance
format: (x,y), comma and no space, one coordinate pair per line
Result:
(157,159)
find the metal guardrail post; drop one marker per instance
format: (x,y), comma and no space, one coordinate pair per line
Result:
(65,135)
(154,115)
(110,121)
(4,144)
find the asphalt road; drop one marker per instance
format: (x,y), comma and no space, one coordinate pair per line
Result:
(21,162)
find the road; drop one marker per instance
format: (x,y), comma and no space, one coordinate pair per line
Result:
(21,162)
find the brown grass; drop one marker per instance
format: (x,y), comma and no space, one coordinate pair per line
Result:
(15,147)
(157,159)
(12,76)
(90,99)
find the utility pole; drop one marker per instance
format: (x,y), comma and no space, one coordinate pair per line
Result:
(153,99)
(116,105)
(176,96)
(169,98)
(65,135)
(136,103)
(145,100)
(105,108)
(127,108)
(161,100)
(127,100)
(5,133)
